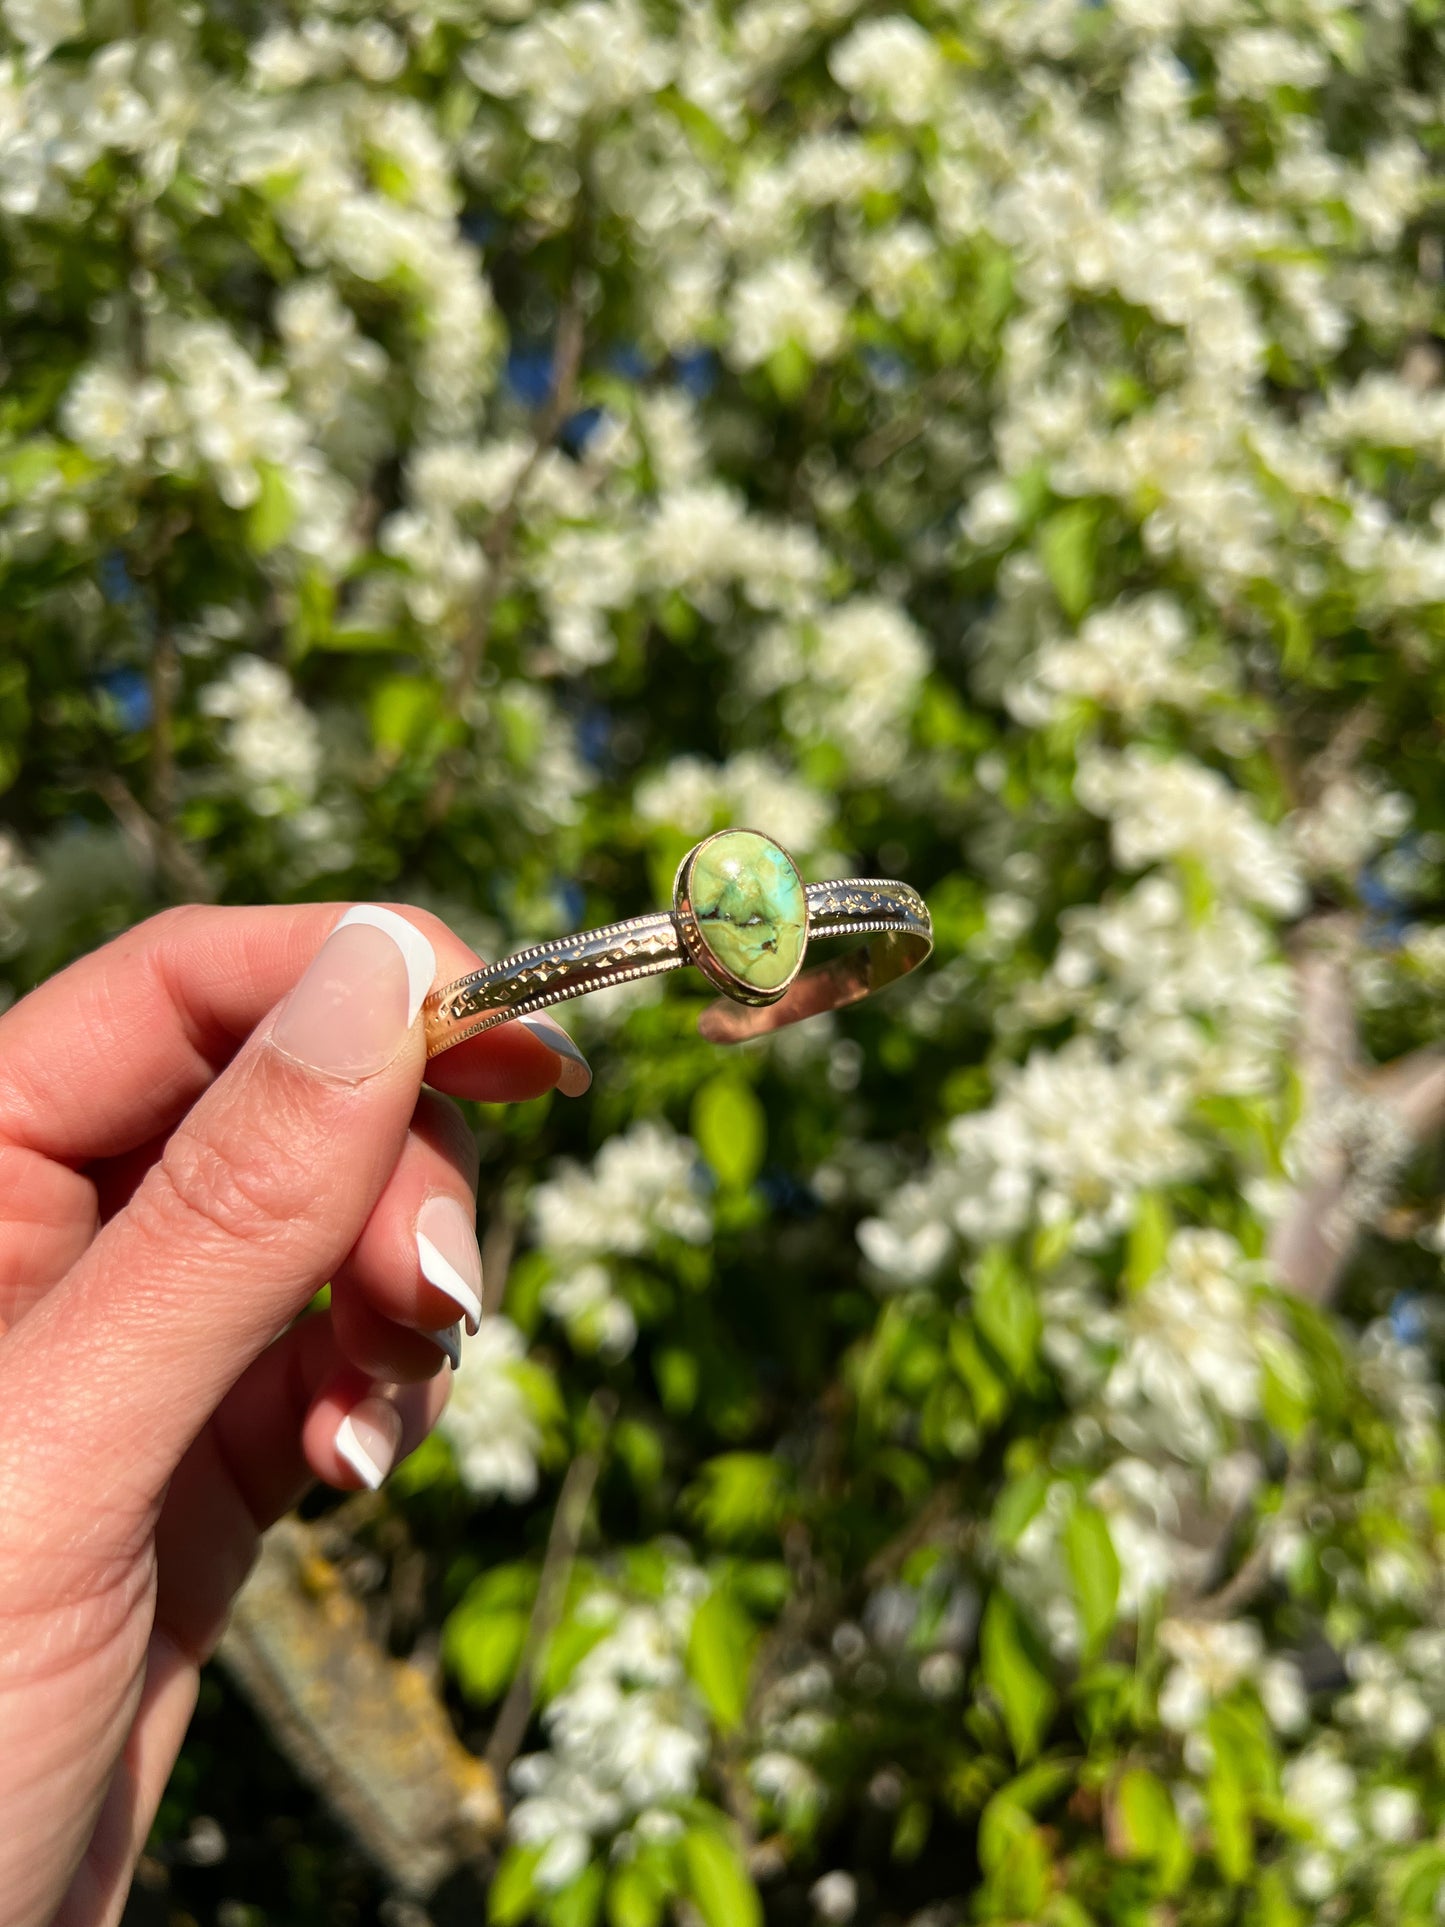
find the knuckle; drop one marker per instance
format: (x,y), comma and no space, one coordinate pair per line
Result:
(163,934)
(167,925)
(251,1195)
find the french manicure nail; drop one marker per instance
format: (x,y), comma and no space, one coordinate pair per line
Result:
(359,997)
(576,1071)
(368,1439)
(449,1255)
(449,1340)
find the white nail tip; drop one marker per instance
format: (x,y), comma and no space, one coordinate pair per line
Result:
(576,1071)
(445,1276)
(449,1341)
(350,1448)
(421,959)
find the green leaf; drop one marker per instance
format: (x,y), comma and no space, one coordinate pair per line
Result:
(1006,1310)
(1011,1673)
(270,516)
(1042,1784)
(1149,1237)
(1094,1569)
(564,1652)
(719,1656)
(1064,1911)
(633,1898)
(738,1497)
(676,1372)
(483,1636)
(1017,1504)
(640,1448)
(403,710)
(483,1656)
(988,1392)
(1146,1826)
(431,1461)
(790,371)
(580,1904)
(513,1888)
(355,641)
(718,1881)
(1274,1905)
(1286,1393)
(1015,1860)
(731,1130)
(1200,895)
(1068,546)
(24,468)
(911,1830)
(1227,1796)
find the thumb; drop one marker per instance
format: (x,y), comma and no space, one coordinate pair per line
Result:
(259,1194)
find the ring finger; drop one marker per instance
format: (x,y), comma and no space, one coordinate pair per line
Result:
(416,1269)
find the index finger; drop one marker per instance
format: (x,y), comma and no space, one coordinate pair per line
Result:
(115,1049)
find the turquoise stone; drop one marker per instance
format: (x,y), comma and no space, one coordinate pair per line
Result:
(750,909)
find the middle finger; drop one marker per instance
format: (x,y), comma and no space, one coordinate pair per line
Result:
(416,1268)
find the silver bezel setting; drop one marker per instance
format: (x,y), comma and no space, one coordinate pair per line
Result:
(695,944)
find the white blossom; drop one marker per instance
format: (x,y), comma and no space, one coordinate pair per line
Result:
(787,303)
(627,1736)
(892,62)
(641,1184)
(834,1896)
(1190,1359)
(19,882)
(1176,808)
(751,789)
(40,25)
(489,1420)
(271,738)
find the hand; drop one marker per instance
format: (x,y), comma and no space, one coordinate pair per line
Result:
(189,1148)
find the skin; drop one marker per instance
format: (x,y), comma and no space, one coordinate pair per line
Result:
(173,1192)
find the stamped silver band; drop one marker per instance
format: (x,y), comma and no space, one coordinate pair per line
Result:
(890,919)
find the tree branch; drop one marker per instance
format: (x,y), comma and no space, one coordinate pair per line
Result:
(1315,1234)
(366,1730)
(498,541)
(499,1242)
(568,1521)
(894,436)
(1302,1249)
(159,844)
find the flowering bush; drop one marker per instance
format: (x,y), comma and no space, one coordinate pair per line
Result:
(466,452)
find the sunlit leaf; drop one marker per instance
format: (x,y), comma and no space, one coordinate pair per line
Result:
(1013,1674)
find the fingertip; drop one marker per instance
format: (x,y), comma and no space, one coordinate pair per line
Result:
(417,954)
(359,1430)
(367,1440)
(382,1348)
(506,1065)
(575,1076)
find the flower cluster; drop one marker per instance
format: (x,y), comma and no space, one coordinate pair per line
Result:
(628,1735)
(491,1420)
(465,453)
(642,1187)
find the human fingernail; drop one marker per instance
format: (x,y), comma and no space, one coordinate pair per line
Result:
(359,997)
(576,1071)
(449,1255)
(368,1439)
(449,1341)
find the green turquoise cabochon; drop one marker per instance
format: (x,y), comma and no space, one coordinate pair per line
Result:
(750,911)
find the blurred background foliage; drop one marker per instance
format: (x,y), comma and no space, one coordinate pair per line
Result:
(461,452)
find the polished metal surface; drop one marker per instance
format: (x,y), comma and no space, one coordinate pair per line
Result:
(891,919)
